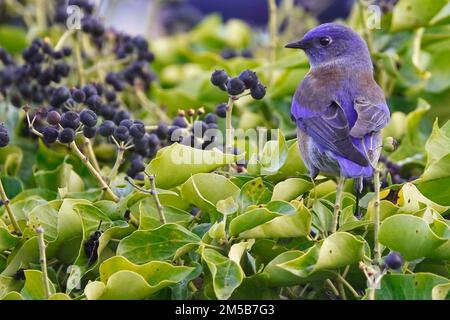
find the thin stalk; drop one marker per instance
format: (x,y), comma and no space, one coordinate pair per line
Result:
(91,154)
(154,193)
(376,215)
(337,204)
(108,64)
(43,261)
(348,285)
(41,15)
(333,288)
(7,204)
(342,290)
(63,39)
(118,163)
(94,172)
(229,126)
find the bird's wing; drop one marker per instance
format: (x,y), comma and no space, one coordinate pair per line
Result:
(372,117)
(329,128)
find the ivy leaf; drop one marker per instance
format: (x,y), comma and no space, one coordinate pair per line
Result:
(163,243)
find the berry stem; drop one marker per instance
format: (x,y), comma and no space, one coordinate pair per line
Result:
(337,203)
(150,105)
(43,261)
(91,154)
(63,39)
(94,172)
(229,127)
(376,215)
(119,159)
(7,204)
(154,192)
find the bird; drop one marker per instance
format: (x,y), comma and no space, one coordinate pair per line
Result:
(338,107)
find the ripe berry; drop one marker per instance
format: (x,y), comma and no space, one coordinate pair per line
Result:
(137,130)
(88,118)
(67,135)
(394,260)
(211,118)
(121,115)
(249,78)
(94,102)
(4,137)
(162,131)
(126,123)
(50,134)
(89,132)
(219,77)
(89,90)
(79,96)
(66,51)
(107,128)
(53,117)
(70,119)
(180,122)
(121,133)
(235,86)
(221,110)
(60,96)
(153,140)
(258,92)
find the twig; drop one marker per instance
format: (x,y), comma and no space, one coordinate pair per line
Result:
(7,204)
(94,172)
(348,285)
(63,39)
(333,288)
(91,154)
(337,204)
(43,261)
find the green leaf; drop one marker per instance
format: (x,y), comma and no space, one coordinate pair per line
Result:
(9,285)
(410,235)
(22,256)
(291,189)
(149,217)
(7,240)
(411,14)
(254,192)
(201,191)
(419,286)
(226,275)
(12,186)
(61,177)
(163,243)
(268,224)
(34,286)
(13,38)
(174,165)
(293,267)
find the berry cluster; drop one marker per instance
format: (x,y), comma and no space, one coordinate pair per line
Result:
(228,54)
(4,137)
(31,81)
(247,80)
(179,16)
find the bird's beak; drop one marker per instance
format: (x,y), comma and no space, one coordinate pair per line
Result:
(297,45)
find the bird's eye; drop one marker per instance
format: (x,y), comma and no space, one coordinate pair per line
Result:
(325,41)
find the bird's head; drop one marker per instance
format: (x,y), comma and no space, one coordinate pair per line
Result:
(331,42)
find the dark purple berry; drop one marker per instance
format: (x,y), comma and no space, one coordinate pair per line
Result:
(121,115)
(67,135)
(249,78)
(89,90)
(210,118)
(107,128)
(137,130)
(89,132)
(70,119)
(79,96)
(221,110)
(180,121)
(50,134)
(219,77)
(153,140)
(4,137)
(394,260)
(126,123)
(121,133)
(235,86)
(258,92)
(94,102)
(60,96)
(88,118)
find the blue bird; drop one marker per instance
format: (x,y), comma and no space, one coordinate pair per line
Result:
(338,107)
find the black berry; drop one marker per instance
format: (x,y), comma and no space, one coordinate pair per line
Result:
(249,78)
(258,92)
(137,130)
(89,132)
(235,86)
(219,77)
(88,118)
(221,110)
(50,134)
(67,135)
(121,133)
(394,260)
(70,119)
(107,128)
